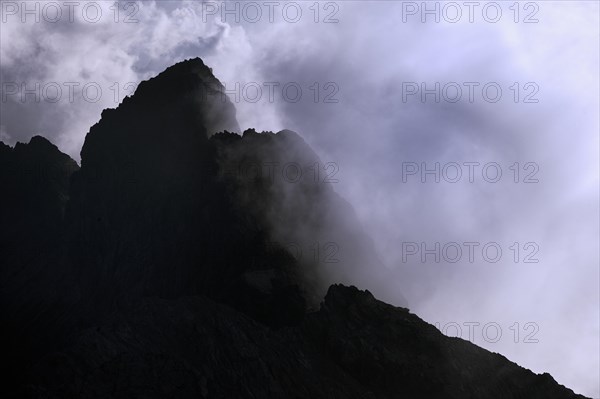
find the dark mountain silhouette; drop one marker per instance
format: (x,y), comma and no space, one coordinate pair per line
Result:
(182,260)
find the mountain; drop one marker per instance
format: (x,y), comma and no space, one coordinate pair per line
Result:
(34,181)
(185,260)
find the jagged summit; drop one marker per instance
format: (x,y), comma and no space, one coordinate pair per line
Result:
(40,142)
(190,80)
(180,107)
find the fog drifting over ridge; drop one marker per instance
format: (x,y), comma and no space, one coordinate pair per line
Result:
(370,133)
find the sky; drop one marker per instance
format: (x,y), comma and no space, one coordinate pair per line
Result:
(465,135)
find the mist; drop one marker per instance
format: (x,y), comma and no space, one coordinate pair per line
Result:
(361,70)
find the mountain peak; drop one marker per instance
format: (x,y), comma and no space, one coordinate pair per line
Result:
(168,114)
(180,79)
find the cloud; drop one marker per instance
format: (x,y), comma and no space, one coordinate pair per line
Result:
(362,61)
(371,133)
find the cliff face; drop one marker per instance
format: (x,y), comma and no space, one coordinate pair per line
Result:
(177,262)
(280,181)
(150,215)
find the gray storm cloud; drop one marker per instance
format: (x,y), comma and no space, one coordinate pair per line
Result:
(363,62)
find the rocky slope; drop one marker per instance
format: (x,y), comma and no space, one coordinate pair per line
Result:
(180,263)
(353,347)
